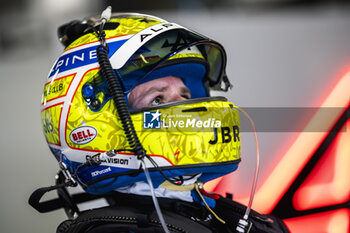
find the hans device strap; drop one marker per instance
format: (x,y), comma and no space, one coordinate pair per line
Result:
(129,219)
(136,213)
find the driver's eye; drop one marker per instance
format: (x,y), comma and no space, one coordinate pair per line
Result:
(186,96)
(157,101)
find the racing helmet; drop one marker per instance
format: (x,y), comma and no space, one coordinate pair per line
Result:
(80,120)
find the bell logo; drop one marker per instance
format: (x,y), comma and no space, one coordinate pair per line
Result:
(151,120)
(83,135)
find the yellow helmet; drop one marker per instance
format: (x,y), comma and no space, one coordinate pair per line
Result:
(80,121)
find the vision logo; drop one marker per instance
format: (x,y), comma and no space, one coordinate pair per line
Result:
(151,120)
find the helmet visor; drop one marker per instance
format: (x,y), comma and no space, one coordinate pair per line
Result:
(198,61)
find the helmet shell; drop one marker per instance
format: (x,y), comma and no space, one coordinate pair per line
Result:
(75,128)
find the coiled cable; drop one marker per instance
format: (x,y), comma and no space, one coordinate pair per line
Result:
(125,118)
(122,108)
(119,99)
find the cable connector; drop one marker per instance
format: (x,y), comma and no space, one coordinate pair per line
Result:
(141,156)
(106,14)
(93,160)
(70,181)
(99,158)
(243,226)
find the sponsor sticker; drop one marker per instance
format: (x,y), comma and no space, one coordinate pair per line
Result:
(83,135)
(57,88)
(50,119)
(101,172)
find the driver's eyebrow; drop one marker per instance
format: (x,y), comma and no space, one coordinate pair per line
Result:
(184,90)
(155,89)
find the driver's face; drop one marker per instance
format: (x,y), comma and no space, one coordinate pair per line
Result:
(158,91)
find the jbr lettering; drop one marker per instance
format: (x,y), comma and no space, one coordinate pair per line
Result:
(226,134)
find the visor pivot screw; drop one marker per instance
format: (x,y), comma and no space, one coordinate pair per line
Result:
(95,104)
(88,91)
